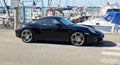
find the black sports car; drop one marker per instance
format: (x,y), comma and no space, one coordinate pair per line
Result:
(55,28)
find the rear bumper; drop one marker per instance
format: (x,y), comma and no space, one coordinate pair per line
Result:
(18,33)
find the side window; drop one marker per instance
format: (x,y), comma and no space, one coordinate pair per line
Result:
(48,22)
(55,21)
(42,21)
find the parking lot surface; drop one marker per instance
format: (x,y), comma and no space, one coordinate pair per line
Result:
(15,52)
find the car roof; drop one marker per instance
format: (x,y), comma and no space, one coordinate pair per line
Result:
(52,17)
(32,22)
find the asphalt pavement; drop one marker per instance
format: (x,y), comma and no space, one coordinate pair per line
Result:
(15,52)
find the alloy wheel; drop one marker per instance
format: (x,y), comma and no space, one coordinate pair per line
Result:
(26,35)
(77,38)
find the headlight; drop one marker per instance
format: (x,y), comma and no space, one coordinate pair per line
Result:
(91,30)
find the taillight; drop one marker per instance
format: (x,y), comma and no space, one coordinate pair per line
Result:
(19,26)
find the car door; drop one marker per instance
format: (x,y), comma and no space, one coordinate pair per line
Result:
(54,32)
(40,35)
(46,28)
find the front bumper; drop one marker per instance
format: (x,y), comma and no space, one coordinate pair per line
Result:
(94,38)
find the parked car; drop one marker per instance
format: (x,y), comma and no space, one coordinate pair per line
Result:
(53,28)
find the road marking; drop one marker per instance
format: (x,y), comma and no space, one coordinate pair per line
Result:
(107,52)
(111,53)
(112,48)
(118,44)
(110,61)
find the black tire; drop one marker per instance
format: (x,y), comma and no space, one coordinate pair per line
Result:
(77,38)
(27,36)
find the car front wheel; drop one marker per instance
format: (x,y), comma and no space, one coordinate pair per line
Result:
(77,38)
(27,36)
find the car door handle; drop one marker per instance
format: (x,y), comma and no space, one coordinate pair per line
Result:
(51,30)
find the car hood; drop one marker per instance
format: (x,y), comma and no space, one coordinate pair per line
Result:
(87,27)
(81,26)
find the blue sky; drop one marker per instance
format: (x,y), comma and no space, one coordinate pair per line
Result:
(73,2)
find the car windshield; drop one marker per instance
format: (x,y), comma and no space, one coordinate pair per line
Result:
(66,22)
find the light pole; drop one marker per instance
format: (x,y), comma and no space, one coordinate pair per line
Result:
(42,9)
(23,12)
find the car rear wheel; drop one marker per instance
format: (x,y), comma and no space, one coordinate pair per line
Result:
(27,36)
(77,38)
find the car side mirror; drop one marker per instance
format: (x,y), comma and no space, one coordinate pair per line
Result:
(59,25)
